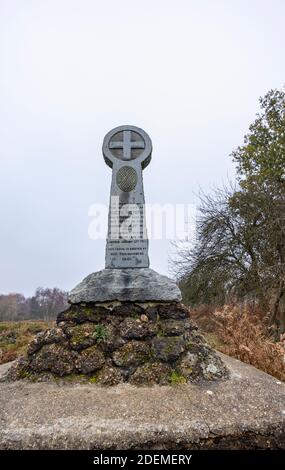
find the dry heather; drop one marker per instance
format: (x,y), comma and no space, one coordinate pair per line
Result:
(15,337)
(239,331)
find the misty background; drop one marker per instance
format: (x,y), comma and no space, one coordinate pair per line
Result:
(188,72)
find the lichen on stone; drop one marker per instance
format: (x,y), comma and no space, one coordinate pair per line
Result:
(151,373)
(89,360)
(132,353)
(168,349)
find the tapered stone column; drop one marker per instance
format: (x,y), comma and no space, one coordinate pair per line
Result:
(127,150)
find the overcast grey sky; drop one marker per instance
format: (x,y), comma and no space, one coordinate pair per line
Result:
(189,72)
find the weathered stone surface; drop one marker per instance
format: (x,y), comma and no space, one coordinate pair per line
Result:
(128,309)
(245,412)
(84,335)
(152,312)
(54,358)
(132,328)
(5,368)
(112,339)
(151,373)
(36,343)
(90,360)
(109,375)
(133,285)
(197,366)
(53,335)
(168,349)
(174,311)
(173,327)
(81,314)
(132,354)
(17,369)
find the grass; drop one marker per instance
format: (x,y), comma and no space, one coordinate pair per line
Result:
(15,337)
(176,378)
(100,333)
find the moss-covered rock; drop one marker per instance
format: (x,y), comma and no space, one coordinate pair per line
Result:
(85,335)
(109,375)
(132,328)
(168,349)
(213,368)
(90,360)
(112,339)
(175,311)
(151,373)
(173,327)
(53,335)
(128,309)
(131,354)
(82,313)
(200,366)
(152,312)
(54,358)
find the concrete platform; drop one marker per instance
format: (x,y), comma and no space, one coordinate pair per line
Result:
(245,412)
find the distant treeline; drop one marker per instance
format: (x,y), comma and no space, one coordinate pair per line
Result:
(44,304)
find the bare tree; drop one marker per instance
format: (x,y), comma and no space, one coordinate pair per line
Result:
(240,249)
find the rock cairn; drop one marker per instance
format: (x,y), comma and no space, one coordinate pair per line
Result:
(139,343)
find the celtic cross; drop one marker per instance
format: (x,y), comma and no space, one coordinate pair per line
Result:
(127,144)
(127,150)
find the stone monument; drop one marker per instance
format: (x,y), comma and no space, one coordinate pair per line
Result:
(127,150)
(127,276)
(125,323)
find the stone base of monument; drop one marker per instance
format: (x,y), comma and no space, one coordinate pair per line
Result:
(123,325)
(125,368)
(109,343)
(246,411)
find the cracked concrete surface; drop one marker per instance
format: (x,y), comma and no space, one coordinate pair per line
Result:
(244,412)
